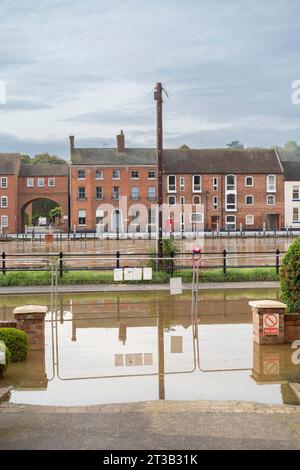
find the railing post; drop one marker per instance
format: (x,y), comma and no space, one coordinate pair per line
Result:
(277,261)
(224,261)
(61,266)
(118,259)
(3,263)
(172,254)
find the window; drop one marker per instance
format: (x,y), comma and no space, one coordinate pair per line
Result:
(231,202)
(249,200)
(296,214)
(196,200)
(135,216)
(172,184)
(4,201)
(182,200)
(249,181)
(171,200)
(134,175)
(135,193)
(196,183)
(81,174)
(271,183)
(181,183)
(30,182)
(296,192)
(81,192)
(182,222)
(249,219)
(230,183)
(215,202)
(151,193)
(99,174)
(115,192)
(82,217)
(116,174)
(4,221)
(41,182)
(151,175)
(196,217)
(151,216)
(51,182)
(230,222)
(99,192)
(4,182)
(270,200)
(215,183)
(99,217)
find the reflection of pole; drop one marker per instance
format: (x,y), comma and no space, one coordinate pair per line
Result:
(161,352)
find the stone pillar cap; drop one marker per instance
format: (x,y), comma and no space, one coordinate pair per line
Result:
(266,304)
(31,309)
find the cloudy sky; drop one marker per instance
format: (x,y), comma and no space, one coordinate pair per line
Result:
(88,68)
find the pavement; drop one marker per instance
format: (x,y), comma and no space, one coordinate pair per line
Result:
(153,425)
(135,287)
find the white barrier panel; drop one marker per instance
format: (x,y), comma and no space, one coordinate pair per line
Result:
(175,285)
(118,274)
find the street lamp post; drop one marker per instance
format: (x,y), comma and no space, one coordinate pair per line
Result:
(159,149)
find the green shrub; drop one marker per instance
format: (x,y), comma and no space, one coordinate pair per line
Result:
(169,248)
(290,277)
(16,341)
(3,367)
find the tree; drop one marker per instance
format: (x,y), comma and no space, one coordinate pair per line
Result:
(290,277)
(47,159)
(25,159)
(55,213)
(235,144)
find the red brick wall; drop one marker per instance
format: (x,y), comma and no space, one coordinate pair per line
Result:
(11,211)
(90,183)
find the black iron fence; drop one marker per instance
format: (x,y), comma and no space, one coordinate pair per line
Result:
(108,261)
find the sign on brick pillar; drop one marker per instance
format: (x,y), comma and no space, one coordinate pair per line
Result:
(268,321)
(31,319)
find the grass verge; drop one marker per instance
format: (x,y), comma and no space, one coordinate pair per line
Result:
(18,278)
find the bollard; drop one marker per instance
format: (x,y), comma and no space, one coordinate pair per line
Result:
(268,321)
(31,319)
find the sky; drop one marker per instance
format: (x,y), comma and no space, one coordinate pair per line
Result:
(88,68)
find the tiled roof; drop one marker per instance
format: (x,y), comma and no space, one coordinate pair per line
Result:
(9,163)
(108,156)
(291,170)
(44,170)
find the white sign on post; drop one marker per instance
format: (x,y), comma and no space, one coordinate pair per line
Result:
(118,274)
(176,285)
(147,274)
(128,274)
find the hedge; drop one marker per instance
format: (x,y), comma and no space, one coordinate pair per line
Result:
(16,341)
(290,277)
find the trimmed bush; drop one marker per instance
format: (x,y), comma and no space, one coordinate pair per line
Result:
(3,367)
(16,341)
(290,277)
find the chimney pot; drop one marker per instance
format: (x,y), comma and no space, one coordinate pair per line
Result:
(121,142)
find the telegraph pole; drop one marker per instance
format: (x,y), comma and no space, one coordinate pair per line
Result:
(159,149)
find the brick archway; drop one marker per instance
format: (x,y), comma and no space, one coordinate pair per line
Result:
(60,200)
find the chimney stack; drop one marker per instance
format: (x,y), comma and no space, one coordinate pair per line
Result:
(72,146)
(121,142)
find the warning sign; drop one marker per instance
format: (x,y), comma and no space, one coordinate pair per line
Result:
(271,364)
(271,324)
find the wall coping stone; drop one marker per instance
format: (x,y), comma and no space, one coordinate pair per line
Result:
(31,309)
(266,304)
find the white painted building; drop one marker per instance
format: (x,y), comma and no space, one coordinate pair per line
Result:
(292,193)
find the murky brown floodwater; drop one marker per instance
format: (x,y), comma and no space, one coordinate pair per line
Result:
(248,249)
(114,348)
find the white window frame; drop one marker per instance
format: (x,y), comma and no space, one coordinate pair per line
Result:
(199,185)
(99,177)
(169,199)
(153,190)
(298,214)
(152,177)
(135,177)
(4,205)
(118,173)
(81,216)
(81,177)
(182,200)
(230,223)
(247,203)
(297,190)
(54,182)
(271,189)
(231,187)
(4,182)
(195,215)
(215,183)
(172,187)
(252,182)
(196,203)
(30,182)
(182,183)
(41,182)
(215,203)
(4,217)
(135,190)
(231,209)
(252,219)
(269,196)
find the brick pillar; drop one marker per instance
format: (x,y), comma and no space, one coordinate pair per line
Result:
(31,319)
(263,310)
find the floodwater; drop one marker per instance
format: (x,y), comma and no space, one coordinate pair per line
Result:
(127,347)
(245,251)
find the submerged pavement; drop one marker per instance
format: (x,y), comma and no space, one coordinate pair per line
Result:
(151,425)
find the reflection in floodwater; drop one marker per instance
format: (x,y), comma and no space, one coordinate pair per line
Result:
(110,348)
